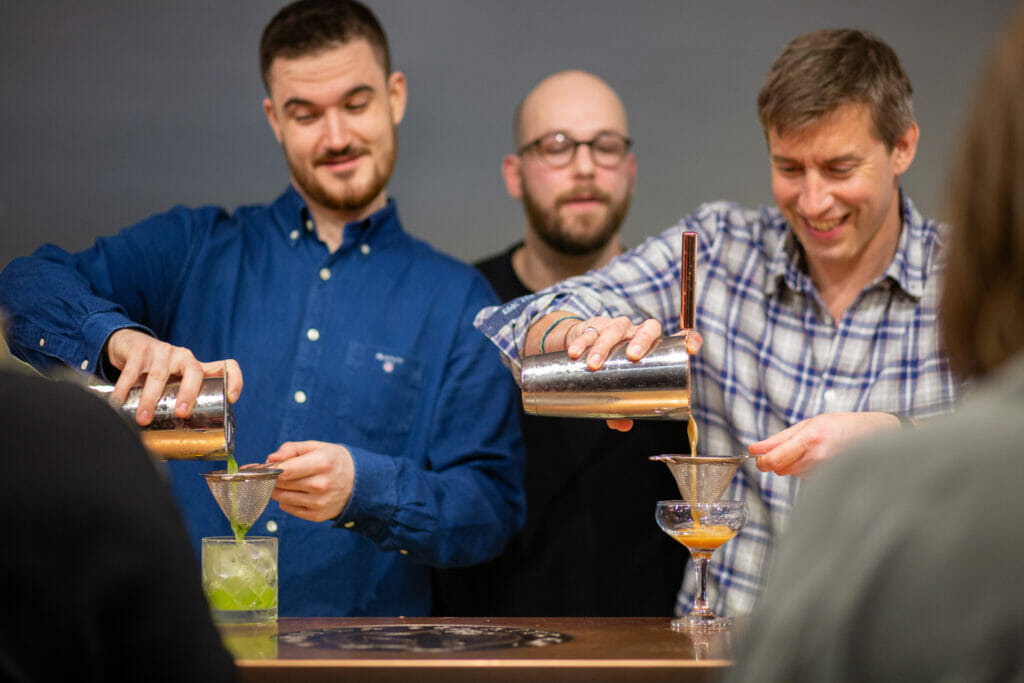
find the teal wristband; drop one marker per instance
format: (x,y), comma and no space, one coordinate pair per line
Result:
(553,326)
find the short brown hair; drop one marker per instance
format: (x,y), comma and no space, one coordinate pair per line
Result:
(982,307)
(309,26)
(819,72)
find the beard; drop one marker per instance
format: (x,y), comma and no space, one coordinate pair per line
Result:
(354,196)
(590,233)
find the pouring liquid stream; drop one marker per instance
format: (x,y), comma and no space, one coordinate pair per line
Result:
(691,431)
(238,529)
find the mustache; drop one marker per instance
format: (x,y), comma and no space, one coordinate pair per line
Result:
(583,192)
(332,155)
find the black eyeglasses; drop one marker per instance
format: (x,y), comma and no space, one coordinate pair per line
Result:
(559,149)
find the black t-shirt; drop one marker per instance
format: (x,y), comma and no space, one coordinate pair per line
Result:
(590,546)
(99,577)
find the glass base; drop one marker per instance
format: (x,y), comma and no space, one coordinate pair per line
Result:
(244,616)
(701,622)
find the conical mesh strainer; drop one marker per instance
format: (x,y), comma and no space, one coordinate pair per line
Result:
(243,495)
(702,478)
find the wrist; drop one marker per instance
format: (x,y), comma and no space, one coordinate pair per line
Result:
(551,333)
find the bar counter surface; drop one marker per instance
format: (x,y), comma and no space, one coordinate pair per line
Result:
(477,649)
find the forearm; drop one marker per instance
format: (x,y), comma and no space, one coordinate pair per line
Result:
(52,314)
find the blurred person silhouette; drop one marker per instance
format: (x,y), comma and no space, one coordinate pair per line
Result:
(589,547)
(99,577)
(904,560)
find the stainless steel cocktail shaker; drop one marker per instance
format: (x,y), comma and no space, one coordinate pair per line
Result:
(655,387)
(207,434)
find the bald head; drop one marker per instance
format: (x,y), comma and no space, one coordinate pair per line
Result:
(574,197)
(569,100)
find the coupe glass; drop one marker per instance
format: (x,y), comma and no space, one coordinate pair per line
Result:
(702,528)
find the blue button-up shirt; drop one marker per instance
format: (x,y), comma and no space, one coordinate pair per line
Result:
(371,346)
(772,354)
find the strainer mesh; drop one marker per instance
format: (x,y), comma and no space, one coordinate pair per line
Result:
(701,479)
(242,496)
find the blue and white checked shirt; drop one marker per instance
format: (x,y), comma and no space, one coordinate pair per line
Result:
(772,353)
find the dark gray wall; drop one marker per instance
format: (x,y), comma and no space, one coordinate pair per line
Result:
(115,110)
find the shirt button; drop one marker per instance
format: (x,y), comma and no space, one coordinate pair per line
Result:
(271,526)
(85,365)
(830,396)
(312,334)
(42,342)
(404,551)
(294,234)
(349,525)
(365,248)
(300,396)
(309,224)
(325,274)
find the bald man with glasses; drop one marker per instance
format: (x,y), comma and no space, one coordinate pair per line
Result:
(590,547)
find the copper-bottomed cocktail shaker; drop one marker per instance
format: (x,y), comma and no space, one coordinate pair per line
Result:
(655,387)
(208,433)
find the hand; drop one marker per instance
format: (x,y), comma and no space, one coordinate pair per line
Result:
(600,334)
(316,481)
(693,344)
(802,447)
(138,355)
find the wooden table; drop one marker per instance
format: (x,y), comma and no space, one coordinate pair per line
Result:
(599,649)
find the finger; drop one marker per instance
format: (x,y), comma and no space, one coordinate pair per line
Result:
(188,390)
(693,341)
(234,375)
(775,440)
(643,338)
(581,335)
(293,449)
(781,457)
(612,333)
(302,467)
(291,508)
(152,390)
(127,379)
(620,425)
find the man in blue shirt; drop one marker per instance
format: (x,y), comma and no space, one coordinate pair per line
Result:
(392,419)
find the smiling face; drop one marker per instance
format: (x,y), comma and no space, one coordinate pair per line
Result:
(334,113)
(837,185)
(578,208)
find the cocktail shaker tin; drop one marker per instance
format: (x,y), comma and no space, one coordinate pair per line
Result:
(655,387)
(207,434)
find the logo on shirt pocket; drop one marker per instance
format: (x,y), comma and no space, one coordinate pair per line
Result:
(381,395)
(388,363)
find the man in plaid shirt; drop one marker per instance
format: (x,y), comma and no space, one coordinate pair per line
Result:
(817,318)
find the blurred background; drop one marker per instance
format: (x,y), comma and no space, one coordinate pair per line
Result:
(114,110)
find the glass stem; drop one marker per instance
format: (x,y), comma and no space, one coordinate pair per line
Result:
(700,602)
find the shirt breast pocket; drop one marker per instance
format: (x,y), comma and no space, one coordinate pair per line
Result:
(381,395)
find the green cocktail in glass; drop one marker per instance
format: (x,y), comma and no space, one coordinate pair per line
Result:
(240,579)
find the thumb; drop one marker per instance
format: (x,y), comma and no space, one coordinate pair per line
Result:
(766,445)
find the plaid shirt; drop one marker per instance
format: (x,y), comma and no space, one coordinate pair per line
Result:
(772,354)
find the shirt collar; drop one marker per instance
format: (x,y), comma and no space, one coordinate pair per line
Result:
(291,214)
(907,268)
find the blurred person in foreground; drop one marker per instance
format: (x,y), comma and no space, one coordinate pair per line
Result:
(818,316)
(391,417)
(99,577)
(904,559)
(588,547)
